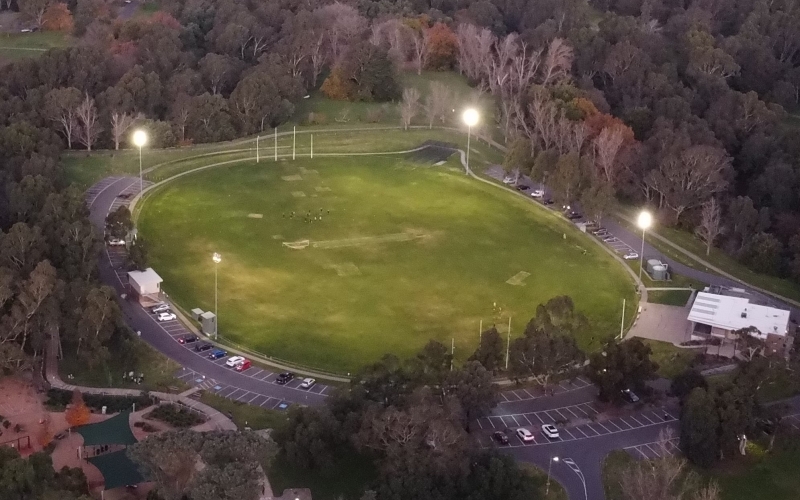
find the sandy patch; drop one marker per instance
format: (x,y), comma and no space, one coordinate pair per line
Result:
(256,216)
(518,279)
(292,178)
(298,194)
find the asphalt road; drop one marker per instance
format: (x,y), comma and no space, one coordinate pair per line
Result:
(252,386)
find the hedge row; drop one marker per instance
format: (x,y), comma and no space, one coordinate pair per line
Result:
(59,398)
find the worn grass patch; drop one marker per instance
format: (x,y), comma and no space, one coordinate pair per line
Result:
(433,251)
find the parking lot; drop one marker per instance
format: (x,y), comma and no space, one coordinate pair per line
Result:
(579,414)
(615,243)
(656,449)
(529,394)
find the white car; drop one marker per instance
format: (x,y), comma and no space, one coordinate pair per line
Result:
(160,308)
(550,431)
(508,180)
(537,193)
(116,242)
(630,256)
(308,383)
(525,435)
(166,316)
(234,360)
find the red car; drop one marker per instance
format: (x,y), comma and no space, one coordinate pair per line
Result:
(243,365)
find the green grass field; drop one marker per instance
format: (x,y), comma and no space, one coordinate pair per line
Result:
(15,46)
(405,252)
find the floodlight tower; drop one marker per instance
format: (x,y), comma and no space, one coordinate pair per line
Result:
(139,140)
(470,118)
(644,221)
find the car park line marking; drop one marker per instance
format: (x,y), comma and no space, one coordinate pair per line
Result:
(234,392)
(573,413)
(581,431)
(603,426)
(626,423)
(568,432)
(634,419)
(516,422)
(224,392)
(324,388)
(589,426)
(255,373)
(490,422)
(528,393)
(240,398)
(645,417)
(611,422)
(527,419)
(537,416)
(480,424)
(277,403)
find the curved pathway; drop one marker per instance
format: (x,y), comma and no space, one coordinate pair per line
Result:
(253,386)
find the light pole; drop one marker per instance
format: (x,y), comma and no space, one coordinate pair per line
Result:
(217,258)
(644,221)
(470,118)
(549,466)
(139,140)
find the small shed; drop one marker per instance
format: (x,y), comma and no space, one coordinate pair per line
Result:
(145,285)
(208,322)
(196,313)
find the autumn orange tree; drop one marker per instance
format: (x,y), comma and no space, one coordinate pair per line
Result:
(77,413)
(57,17)
(337,86)
(442,47)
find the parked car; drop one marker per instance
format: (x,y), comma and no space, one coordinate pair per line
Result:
(548,202)
(217,354)
(160,308)
(308,383)
(234,360)
(630,396)
(500,437)
(537,193)
(284,378)
(522,187)
(525,435)
(124,196)
(166,316)
(573,215)
(116,242)
(609,238)
(630,256)
(508,180)
(188,339)
(203,347)
(244,365)
(550,431)
(599,230)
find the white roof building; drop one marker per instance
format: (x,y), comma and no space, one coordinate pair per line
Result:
(146,282)
(734,313)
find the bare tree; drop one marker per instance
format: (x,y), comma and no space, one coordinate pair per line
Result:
(687,179)
(318,55)
(179,114)
(89,127)
(61,105)
(344,24)
(437,103)
(474,50)
(710,223)
(120,123)
(607,145)
(409,106)
(557,62)
(34,10)
(421,49)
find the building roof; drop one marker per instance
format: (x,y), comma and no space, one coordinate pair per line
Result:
(735,313)
(145,278)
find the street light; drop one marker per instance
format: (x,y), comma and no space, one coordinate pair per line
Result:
(549,466)
(645,221)
(217,258)
(470,118)
(139,140)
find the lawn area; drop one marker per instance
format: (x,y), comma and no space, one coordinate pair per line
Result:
(14,46)
(163,163)
(245,415)
(392,264)
(671,360)
(774,475)
(669,297)
(158,369)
